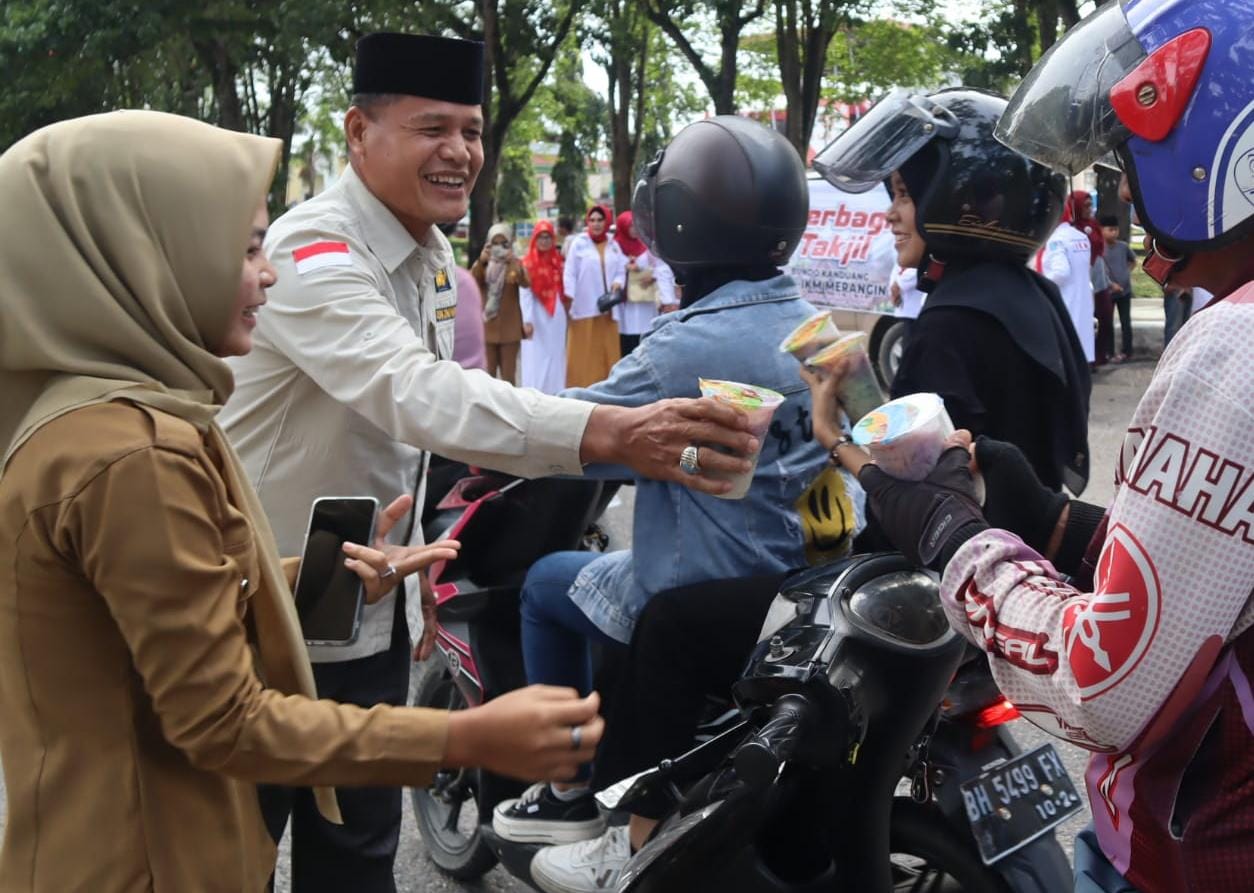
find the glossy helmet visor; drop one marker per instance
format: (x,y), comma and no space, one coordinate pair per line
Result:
(1062,115)
(642,203)
(883,139)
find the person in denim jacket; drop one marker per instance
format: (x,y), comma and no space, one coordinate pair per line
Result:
(729,327)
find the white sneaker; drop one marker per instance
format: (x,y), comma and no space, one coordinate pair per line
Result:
(585,867)
(539,817)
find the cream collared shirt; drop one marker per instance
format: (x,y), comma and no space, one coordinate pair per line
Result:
(350,382)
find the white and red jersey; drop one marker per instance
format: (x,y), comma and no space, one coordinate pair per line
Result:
(1151,670)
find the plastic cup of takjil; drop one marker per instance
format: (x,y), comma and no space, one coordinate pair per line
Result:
(859,388)
(759,404)
(810,337)
(906,436)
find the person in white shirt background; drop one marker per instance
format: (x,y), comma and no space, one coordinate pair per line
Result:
(634,316)
(543,313)
(903,288)
(1066,260)
(594,266)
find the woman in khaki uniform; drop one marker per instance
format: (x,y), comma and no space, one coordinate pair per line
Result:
(500,275)
(151,665)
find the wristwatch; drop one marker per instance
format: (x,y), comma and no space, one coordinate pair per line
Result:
(843,440)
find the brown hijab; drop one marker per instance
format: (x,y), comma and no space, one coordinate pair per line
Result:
(121,245)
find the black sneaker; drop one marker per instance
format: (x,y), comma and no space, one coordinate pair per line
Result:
(539,817)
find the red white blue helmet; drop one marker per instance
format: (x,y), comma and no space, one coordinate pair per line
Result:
(1168,85)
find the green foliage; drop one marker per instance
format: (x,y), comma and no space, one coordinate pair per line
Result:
(700,30)
(281,67)
(570,176)
(517,187)
(242,64)
(574,118)
(871,57)
(673,101)
(518,192)
(996,49)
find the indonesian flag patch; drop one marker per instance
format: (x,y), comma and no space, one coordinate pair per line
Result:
(317,255)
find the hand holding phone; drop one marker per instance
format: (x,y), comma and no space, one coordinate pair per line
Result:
(329,595)
(331,588)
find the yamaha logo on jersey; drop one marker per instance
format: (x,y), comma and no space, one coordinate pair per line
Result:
(1106,634)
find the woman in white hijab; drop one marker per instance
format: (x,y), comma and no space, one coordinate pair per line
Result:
(151,665)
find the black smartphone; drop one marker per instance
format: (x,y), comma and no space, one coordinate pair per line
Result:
(329,596)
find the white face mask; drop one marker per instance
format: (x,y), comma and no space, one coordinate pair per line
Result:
(500,252)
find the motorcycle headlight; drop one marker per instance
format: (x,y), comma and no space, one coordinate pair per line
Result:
(903,605)
(783,611)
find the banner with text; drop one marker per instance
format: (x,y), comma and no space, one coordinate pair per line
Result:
(846,255)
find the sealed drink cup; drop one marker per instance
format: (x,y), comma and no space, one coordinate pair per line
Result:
(906,436)
(759,404)
(810,337)
(859,388)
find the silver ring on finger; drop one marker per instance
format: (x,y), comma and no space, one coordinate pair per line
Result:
(576,737)
(688,460)
(388,574)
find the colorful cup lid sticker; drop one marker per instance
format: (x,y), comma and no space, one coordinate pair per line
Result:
(895,418)
(808,330)
(838,349)
(740,394)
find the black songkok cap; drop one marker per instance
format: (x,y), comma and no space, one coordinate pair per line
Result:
(441,68)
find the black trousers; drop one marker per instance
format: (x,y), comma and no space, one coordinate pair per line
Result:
(1123,303)
(689,644)
(359,854)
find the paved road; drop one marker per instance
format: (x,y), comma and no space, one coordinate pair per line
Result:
(1115,394)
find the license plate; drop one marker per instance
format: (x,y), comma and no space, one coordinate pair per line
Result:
(1016,801)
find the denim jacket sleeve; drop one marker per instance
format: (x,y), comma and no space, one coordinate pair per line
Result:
(633,382)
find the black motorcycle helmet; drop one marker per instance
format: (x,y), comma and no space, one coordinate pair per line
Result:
(973,196)
(726,191)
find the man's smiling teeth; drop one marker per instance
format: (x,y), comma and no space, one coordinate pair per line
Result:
(447,181)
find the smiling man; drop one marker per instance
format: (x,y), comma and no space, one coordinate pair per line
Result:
(351,384)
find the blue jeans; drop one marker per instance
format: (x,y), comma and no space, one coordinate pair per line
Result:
(556,635)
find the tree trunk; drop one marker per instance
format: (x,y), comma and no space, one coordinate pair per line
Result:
(625,71)
(788,47)
(724,91)
(720,84)
(509,105)
(483,196)
(1023,34)
(621,160)
(483,200)
(802,39)
(1047,14)
(223,74)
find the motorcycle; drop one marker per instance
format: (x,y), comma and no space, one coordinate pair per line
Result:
(505,525)
(840,699)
